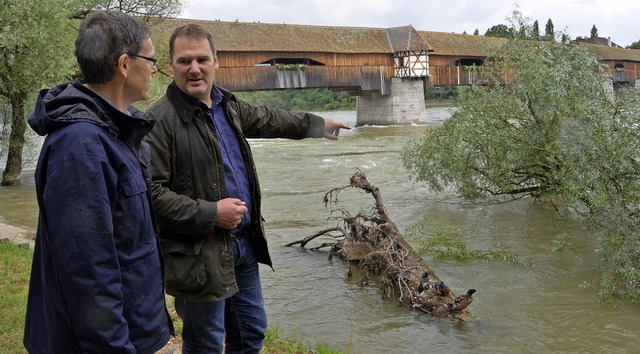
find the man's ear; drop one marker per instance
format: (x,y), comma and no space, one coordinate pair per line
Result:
(170,65)
(122,65)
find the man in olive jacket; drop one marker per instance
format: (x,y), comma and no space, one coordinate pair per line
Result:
(207,196)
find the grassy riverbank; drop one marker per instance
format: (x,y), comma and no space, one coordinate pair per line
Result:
(15,265)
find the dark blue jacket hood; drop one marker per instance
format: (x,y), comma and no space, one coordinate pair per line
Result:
(72,102)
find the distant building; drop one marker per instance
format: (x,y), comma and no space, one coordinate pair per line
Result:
(597,41)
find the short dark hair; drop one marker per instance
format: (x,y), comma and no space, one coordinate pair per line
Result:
(191,31)
(104,36)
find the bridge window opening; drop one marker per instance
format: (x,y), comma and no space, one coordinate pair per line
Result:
(469,62)
(290,61)
(619,67)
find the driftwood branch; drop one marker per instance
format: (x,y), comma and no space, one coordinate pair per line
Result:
(325,232)
(374,242)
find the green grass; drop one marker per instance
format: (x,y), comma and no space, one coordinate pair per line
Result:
(15,265)
(276,343)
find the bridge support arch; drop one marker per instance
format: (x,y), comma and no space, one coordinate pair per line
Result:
(404,105)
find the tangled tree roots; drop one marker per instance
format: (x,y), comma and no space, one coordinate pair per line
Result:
(375,243)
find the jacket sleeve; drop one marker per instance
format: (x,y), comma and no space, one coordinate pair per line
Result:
(268,122)
(76,204)
(175,212)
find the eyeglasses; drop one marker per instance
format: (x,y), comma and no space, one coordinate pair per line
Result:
(152,60)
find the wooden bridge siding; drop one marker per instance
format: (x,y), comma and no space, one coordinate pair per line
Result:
(365,78)
(345,72)
(443,72)
(630,73)
(353,72)
(250,59)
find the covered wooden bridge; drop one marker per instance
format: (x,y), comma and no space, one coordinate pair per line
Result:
(389,69)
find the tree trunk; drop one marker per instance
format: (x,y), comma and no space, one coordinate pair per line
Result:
(11,174)
(375,244)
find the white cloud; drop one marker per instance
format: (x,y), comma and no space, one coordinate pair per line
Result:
(612,19)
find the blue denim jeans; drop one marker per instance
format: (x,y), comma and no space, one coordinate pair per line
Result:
(241,317)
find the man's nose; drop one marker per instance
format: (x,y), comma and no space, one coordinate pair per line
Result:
(194,66)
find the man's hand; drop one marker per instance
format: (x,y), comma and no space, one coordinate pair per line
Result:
(332,128)
(230,212)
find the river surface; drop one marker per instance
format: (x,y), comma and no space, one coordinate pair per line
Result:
(535,307)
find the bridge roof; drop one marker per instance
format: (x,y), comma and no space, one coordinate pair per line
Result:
(444,43)
(604,52)
(256,36)
(406,38)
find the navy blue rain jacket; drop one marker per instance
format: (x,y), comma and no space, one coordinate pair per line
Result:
(96,279)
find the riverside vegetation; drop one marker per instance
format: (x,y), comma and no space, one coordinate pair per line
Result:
(557,132)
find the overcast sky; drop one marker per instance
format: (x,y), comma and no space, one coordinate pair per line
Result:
(613,18)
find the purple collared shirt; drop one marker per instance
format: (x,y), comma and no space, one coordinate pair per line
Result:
(236,178)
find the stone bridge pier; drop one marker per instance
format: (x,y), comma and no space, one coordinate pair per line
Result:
(404,105)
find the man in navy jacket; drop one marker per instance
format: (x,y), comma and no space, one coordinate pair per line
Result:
(96,279)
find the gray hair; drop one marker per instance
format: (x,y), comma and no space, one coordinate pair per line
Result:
(102,38)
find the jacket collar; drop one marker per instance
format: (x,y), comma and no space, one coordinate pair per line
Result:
(187,107)
(72,102)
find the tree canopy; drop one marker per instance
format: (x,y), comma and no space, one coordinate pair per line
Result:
(521,28)
(535,31)
(37,50)
(36,47)
(147,9)
(499,31)
(549,31)
(548,136)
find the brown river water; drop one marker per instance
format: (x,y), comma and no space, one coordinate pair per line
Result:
(534,307)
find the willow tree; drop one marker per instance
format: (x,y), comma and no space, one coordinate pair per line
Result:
(36,47)
(556,132)
(146,9)
(37,50)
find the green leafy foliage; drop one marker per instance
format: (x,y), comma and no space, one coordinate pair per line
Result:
(36,45)
(36,40)
(557,130)
(499,31)
(446,92)
(535,31)
(634,45)
(37,50)
(548,30)
(301,100)
(520,28)
(449,245)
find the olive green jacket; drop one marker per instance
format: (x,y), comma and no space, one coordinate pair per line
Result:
(188,179)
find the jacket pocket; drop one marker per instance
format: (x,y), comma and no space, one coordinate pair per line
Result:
(132,221)
(184,265)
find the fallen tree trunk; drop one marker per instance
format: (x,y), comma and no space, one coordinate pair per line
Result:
(374,242)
